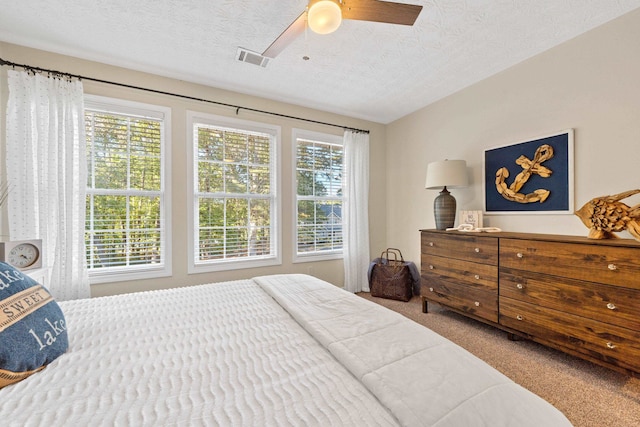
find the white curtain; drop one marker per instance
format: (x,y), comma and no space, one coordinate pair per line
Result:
(356,211)
(47,173)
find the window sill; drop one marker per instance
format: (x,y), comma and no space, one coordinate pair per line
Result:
(96,278)
(317,257)
(207,267)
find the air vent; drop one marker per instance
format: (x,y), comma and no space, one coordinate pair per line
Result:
(244,55)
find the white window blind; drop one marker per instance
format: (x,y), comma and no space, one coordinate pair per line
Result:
(234,198)
(319,173)
(127,223)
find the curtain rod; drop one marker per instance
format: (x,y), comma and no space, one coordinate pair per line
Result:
(161,92)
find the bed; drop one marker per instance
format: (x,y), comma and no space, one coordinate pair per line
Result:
(288,350)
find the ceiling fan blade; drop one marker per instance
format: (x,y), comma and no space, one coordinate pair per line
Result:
(381,11)
(289,35)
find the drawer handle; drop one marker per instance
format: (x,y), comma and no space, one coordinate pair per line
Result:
(431,267)
(477,303)
(430,289)
(477,276)
(430,243)
(611,306)
(612,267)
(611,345)
(519,317)
(477,250)
(520,255)
(520,286)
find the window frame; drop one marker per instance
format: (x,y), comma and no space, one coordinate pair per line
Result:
(194,266)
(139,109)
(323,138)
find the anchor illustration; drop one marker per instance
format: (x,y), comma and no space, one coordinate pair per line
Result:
(529,167)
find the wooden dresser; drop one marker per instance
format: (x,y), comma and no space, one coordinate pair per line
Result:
(575,294)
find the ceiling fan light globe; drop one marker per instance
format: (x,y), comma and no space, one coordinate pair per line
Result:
(324,17)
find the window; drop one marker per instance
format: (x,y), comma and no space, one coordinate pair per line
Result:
(318,180)
(235,209)
(127,228)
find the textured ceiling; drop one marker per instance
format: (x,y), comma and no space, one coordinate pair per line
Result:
(373,71)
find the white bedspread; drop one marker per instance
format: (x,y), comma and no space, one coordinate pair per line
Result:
(423,378)
(222,354)
(229,354)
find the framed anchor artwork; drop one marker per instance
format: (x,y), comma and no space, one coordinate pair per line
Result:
(530,177)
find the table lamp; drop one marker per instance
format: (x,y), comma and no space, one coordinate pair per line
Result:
(443,174)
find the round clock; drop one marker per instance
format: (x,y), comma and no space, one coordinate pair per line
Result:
(23,254)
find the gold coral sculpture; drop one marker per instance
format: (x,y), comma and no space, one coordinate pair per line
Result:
(606,215)
(529,167)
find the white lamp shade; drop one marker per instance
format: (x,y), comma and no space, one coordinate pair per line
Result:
(447,173)
(324,17)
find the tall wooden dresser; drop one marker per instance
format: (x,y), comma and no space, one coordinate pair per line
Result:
(578,295)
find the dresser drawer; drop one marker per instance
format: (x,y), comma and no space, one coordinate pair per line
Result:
(469,273)
(469,246)
(609,304)
(612,265)
(609,343)
(479,302)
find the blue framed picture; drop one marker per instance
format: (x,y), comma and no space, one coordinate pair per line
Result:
(529,177)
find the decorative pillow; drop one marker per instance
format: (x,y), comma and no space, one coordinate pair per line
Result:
(33,331)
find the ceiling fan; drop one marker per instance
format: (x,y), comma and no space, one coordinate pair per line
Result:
(325,16)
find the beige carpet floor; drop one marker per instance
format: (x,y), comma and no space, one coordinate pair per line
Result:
(589,395)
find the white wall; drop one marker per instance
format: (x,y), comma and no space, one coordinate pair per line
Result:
(590,84)
(331,271)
